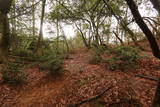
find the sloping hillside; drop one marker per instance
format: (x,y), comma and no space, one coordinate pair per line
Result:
(82,81)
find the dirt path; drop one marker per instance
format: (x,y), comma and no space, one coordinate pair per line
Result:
(80,81)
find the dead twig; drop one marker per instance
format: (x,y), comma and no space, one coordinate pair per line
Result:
(92,98)
(147,77)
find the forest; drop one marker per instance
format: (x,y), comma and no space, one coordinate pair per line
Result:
(79,53)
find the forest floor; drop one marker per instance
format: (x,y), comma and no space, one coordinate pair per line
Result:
(81,81)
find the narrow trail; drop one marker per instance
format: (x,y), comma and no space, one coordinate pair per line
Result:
(80,81)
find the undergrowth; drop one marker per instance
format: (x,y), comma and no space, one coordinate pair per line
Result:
(53,63)
(96,58)
(122,58)
(13,73)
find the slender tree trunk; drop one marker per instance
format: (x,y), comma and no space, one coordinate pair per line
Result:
(83,38)
(90,36)
(57,44)
(96,38)
(118,37)
(40,39)
(154,28)
(33,18)
(65,39)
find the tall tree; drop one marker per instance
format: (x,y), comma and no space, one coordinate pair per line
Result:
(40,38)
(33,18)
(149,35)
(151,38)
(5,6)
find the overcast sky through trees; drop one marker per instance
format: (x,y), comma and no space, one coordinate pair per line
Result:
(146,10)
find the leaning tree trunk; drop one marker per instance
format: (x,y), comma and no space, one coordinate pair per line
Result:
(149,35)
(124,26)
(153,43)
(120,40)
(82,36)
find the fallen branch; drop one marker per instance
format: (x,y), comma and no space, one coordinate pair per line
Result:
(92,98)
(147,77)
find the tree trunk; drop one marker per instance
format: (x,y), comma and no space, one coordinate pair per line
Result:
(153,43)
(65,39)
(33,19)
(149,35)
(124,26)
(83,38)
(118,38)
(40,39)
(4,29)
(4,35)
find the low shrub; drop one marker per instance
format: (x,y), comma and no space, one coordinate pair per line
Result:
(97,52)
(54,64)
(95,59)
(26,55)
(13,73)
(99,49)
(22,53)
(123,58)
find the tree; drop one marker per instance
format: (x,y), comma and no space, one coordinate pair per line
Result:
(123,24)
(151,38)
(40,38)
(149,35)
(91,13)
(4,29)
(33,18)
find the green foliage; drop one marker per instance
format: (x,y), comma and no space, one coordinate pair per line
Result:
(123,58)
(53,63)
(76,42)
(95,59)
(22,53)
(13,73)
(112,64)
(32,46)
(99,49)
